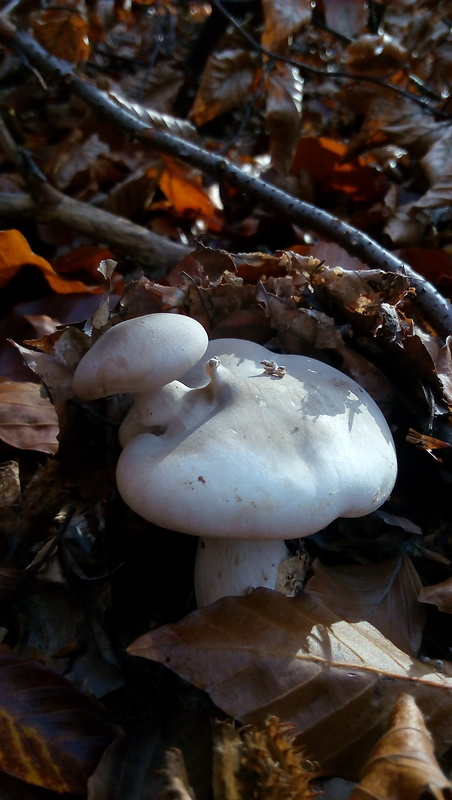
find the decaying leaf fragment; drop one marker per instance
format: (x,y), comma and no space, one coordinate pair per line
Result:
(403,764)
(248,764)
(260,762)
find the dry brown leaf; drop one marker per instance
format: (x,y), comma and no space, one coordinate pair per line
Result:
(402,766)
(283,114)
(282,18)
(54,369)
(346,16)
(335,681)
(27,420)
(225,84)
(63,32)
(384,594)
(439,595)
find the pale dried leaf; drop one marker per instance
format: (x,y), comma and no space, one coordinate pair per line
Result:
(444,368)
(346,16)
(385,594)
(283,114)
(27,420)
(155,119)
(335,681)
(403,765)
(54,373)
(437,162)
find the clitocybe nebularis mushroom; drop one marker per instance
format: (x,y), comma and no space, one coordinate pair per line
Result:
(256,455)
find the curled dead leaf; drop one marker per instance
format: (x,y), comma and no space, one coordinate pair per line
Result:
(402,766)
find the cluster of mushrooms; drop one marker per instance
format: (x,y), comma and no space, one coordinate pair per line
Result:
(224,444)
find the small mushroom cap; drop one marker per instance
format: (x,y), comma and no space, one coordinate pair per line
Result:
(273,458)
(139,355)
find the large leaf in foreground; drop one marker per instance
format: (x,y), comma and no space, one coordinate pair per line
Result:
(337,682)
(51,733)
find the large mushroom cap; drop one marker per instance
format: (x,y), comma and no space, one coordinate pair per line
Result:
(140,355)
(271,457)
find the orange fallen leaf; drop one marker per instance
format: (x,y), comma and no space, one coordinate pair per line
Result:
(63,32)
(183,188)
(403,766)
(15,253)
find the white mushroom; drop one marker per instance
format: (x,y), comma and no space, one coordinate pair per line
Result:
(141,356)
(258,455)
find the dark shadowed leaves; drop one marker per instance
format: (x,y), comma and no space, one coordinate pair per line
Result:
(52,735)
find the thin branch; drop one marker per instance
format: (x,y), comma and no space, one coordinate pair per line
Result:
(148,250)
(45,204)
(434,305)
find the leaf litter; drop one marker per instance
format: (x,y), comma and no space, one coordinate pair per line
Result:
(370,633)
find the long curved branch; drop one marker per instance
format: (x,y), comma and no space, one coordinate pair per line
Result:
(434,305)
(145,248)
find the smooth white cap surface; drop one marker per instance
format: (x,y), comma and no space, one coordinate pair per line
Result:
(273,458)
(139,355)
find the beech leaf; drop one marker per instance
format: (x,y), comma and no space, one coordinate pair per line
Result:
(225,84)
(335,681)
(27,420)
(385,594)
(51,733)
(283,114)
(439,595)
(403,765)
(282,18)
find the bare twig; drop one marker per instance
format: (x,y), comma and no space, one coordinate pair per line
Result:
(149,251)
(434,305)
(45,204)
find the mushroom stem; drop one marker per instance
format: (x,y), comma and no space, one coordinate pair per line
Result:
(234,567)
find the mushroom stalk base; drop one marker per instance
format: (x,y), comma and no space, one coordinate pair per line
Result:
(234,567)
